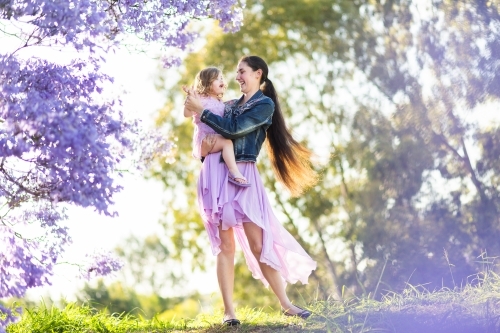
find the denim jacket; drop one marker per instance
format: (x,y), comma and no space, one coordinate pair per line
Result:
(245,124)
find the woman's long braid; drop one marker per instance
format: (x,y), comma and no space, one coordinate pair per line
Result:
(290,160)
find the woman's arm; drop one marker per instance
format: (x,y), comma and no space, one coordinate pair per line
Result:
(232,127)
(236,127)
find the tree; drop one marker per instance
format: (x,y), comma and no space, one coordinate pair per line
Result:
(61,138)
(278,31)
(445,231)
(390,87)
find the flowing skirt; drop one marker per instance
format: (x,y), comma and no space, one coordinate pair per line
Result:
(229,205)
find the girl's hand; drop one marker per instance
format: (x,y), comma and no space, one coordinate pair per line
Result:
(187,112)
(193,102)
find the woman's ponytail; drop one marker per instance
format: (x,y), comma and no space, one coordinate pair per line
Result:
(290,160)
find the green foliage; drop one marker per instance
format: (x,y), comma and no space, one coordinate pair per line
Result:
(387,93)
(118,298)
(148,274)
(278,30)
(148,264)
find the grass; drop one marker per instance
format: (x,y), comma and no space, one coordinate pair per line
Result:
(472,309)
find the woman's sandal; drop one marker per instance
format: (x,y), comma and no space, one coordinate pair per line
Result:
(233,180)
(304,314)
(231,322)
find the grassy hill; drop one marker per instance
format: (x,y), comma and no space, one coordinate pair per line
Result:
(474,308)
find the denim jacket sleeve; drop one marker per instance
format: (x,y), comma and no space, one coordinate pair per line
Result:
(234,126)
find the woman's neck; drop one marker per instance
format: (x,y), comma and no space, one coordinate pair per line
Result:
(248,95)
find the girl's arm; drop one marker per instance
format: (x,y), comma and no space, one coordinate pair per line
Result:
(236,127)
(188,113)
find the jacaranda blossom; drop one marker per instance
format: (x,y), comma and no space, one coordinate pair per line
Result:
(61,139)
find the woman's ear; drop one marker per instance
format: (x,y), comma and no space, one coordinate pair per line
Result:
(258,73)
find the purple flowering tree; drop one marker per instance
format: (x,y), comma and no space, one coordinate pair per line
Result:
(61,138)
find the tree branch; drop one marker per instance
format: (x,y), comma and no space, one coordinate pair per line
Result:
(331,267)
(477,183)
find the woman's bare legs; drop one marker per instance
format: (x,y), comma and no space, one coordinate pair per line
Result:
(254,236)
(225,271)
(226,146)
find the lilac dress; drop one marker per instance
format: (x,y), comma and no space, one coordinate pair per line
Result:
(223,203)
(200,129)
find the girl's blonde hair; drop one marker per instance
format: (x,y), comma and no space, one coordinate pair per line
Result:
(204,79)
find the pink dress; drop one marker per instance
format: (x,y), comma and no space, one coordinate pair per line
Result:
(200,129)
(223,203)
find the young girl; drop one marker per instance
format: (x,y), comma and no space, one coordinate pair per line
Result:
(210,85)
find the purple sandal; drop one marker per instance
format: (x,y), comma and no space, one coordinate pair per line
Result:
(233,180)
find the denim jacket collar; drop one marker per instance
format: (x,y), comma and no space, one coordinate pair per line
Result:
(233,107)
(257,95)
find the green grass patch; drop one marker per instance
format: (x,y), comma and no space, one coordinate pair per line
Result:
(472,309)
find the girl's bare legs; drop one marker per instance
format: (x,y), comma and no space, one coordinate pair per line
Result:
(225,271)
(254,236)
(226,146)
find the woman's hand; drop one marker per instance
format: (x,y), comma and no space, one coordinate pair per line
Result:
(208,144)
(193,102)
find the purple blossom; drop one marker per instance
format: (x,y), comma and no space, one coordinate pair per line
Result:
(54,125)
(28,262)
(8,316)
(100,264)
(20,269)
(171,61)
(152,146)
(95,24)
(60,140)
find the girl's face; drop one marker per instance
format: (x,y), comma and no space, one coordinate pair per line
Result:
(248,79)
(218,87)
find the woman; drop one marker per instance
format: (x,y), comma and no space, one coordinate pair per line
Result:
(271,253)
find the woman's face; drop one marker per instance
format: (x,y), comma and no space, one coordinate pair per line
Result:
(248,79)
(218,87)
